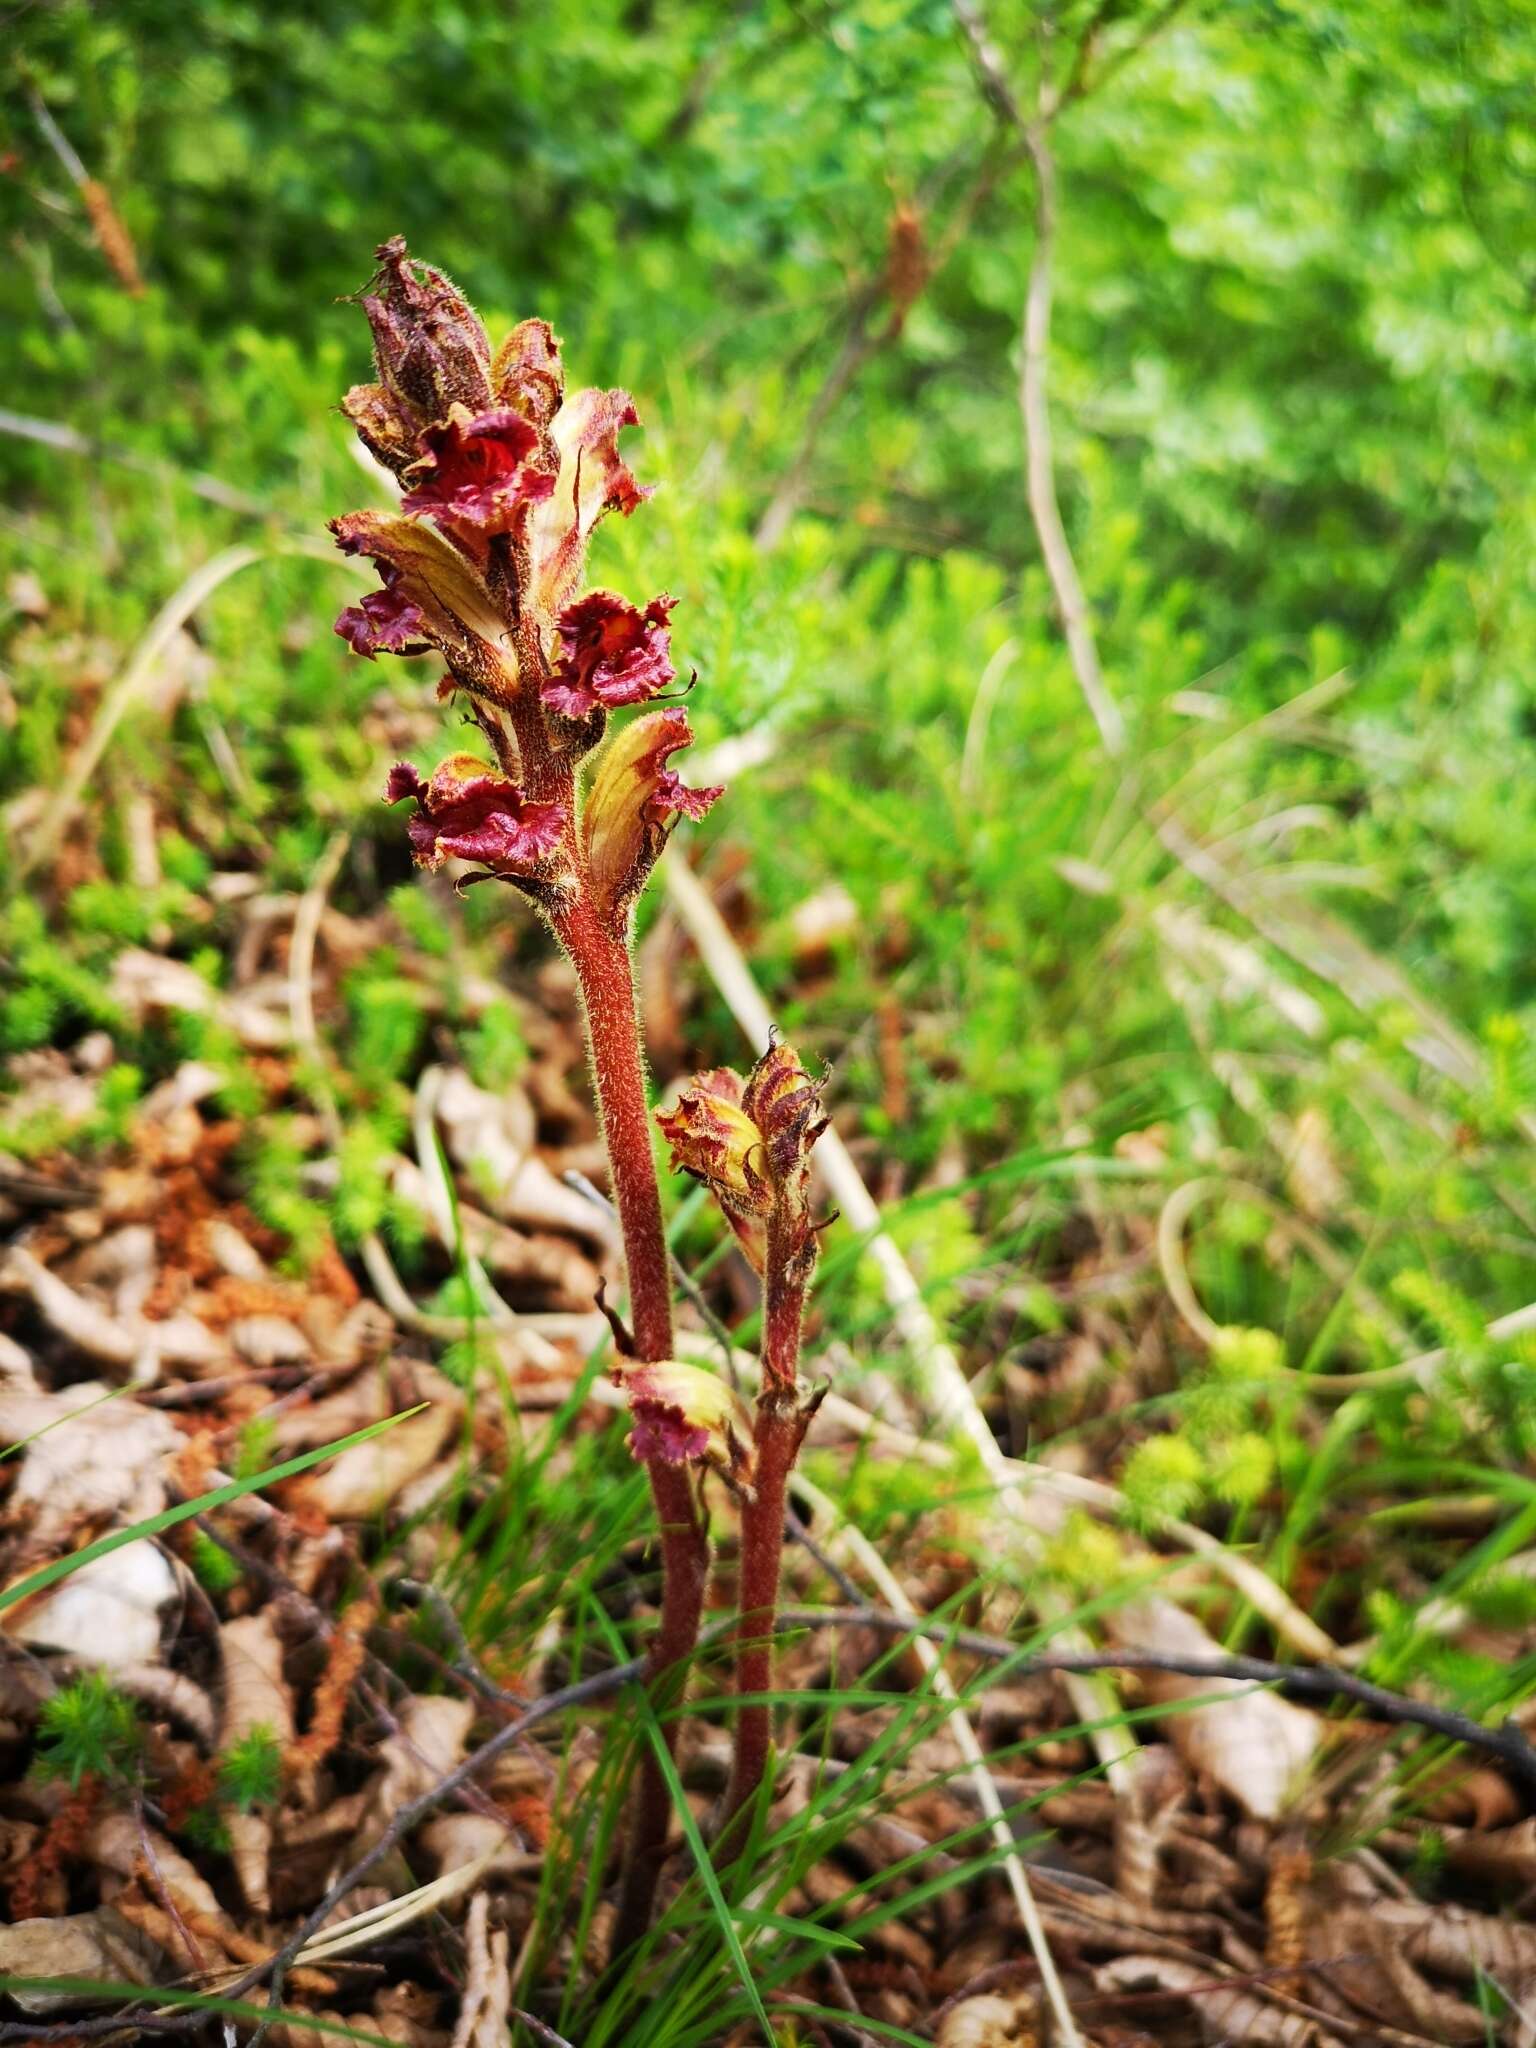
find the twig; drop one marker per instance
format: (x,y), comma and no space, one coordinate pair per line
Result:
(1034,409)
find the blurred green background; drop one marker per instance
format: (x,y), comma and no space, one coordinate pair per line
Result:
(1292,369)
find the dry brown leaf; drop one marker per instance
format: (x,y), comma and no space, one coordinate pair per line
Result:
(1144,1821)
(116,1844)
(99,1945)
(364,1480)
(110,1611)
(1225,2015)
(1254,1744)
(93,1460)
(431,1736)
(488,1139)
(256,1695)
(993,2019)
(1504,1855)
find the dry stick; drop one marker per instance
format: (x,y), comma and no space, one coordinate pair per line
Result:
(859,1547)
(167,623)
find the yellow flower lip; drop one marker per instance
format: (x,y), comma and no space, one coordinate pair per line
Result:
(683,1414)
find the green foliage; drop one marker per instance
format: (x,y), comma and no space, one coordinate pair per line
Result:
(1164,1475)
(215,1570)
(495,1049)
(87,1728)
(251,1770)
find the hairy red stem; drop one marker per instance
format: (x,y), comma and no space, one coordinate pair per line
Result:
(606,976)
(780,1426)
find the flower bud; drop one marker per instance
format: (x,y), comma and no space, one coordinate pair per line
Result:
(749,1141)
(528,374)
(428,343)
(467,812)
(683,1414)
(632,805)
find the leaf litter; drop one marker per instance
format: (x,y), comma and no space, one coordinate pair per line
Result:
(159,1334)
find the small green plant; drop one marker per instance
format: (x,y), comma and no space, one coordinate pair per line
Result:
(251,1770)
(87,1728)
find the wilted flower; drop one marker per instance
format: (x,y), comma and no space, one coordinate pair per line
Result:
(385,622)
(528,374)
(749,1141)
(610,653)
(449,605)
(430,351)
(592,478)
(683,1414)
(467,812)
(633,803)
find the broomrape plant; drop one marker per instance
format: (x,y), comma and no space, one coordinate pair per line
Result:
(504,475)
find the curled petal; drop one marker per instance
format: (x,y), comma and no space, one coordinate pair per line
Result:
(456,611)
(385,622)
(466,812)
(632,804)
(591,478)
(428,343)
(713,1137)
(528,374)
(610,653)
(475,471)
(682,1414)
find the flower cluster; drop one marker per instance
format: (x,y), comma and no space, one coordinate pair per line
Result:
(503,477)
(749,1141)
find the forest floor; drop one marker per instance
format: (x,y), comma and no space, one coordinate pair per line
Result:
(244,1737)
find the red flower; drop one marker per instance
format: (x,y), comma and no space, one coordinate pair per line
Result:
(468,812)
(682,1414)
(385,622)
(610,653)
(632,804)
(475,469)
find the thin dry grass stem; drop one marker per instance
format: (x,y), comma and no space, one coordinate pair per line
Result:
(867,1559)
(945,1391)
(119,699)
(1421,1370)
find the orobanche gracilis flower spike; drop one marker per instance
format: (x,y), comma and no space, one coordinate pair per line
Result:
(503,476)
